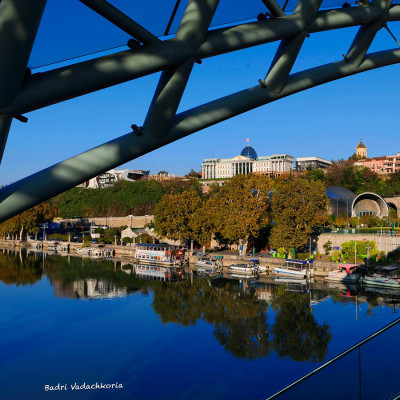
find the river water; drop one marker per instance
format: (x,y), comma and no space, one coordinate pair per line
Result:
(68,322)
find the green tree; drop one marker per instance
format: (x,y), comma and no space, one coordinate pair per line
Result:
(173,215)
(241,207)
(29,220)
(193,174)
(296,203)
(340,221)
(327,247)
(354,222)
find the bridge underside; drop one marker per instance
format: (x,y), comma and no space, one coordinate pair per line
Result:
(21,91)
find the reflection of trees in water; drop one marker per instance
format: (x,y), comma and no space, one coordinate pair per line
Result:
(239,319)
(20,270)
(296,332)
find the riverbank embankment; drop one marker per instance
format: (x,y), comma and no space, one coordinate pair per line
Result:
(321,268)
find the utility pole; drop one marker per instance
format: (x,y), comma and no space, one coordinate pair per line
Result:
(355,251)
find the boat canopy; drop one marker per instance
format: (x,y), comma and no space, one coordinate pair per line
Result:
(302,262)
(254,260)
(163,245)
(388,270)
(347,267)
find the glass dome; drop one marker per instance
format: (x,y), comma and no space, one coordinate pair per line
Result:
(249,152)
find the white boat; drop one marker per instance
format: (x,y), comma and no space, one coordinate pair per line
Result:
(387,276)
(243,269)
(345,273)
(160,253)
(206,264)
(292,267)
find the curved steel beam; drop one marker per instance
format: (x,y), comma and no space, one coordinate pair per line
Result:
(51,181)
(65,83)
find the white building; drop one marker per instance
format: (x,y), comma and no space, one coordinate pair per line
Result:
(247,162)
(304,163)
(110,177)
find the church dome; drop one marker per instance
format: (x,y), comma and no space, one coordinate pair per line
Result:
(249,152)
(361,145)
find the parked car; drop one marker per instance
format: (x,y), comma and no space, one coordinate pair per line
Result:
(272,252)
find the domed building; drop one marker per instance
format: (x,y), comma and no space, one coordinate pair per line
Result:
(361,150)
(245,163)
(249,152)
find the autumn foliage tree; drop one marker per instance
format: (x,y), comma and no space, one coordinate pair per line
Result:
(173,214)
(29,220)
(297,203)
(241,207)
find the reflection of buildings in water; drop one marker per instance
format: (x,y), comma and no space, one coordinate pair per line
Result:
(265,290)
(264,294)
(88,289)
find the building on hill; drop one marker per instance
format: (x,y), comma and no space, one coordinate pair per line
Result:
(306,163)
(108,178)
(381,165)
(247,162)
(361,150)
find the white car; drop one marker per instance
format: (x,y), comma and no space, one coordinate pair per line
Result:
(272,252)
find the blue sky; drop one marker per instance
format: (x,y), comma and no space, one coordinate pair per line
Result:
(327,121)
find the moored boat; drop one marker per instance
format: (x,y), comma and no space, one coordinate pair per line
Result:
(160,272)
(387,276)
(293,267)
(160,253)
(246,269)
(345,273)
(206,264)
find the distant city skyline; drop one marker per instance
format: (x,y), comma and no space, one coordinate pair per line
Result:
(325,121)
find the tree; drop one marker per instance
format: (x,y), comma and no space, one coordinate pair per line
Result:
(327,247)
(201,224)
(193,174)
(172,216)
(296,203)
(354,222)
(29,220)
(340,221)
(241,207)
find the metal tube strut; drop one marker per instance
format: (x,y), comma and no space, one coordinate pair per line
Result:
(167,97)
(274,8)
(19,22)
(289,48)
(61,84)
(366,35)
(54,180)
(121,20)
(5,125)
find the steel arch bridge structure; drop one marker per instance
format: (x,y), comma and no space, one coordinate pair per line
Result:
(22,91)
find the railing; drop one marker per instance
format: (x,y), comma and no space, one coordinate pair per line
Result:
(369,370)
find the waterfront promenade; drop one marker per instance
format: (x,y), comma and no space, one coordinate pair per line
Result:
(127,252)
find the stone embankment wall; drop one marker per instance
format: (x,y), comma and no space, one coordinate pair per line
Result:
(321,268)
(383,243)
(115,222)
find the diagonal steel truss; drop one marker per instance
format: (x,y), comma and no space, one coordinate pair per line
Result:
(21,92)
